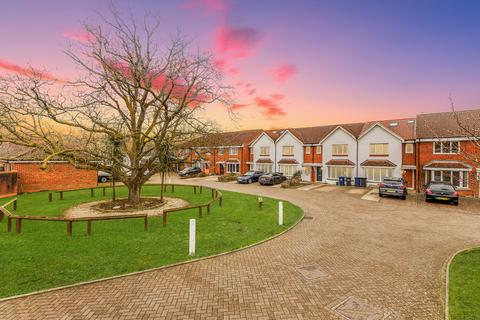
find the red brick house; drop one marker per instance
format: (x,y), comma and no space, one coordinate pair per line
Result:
(59,175)
(446,152)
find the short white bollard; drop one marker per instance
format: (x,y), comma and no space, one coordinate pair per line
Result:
(280,213)
(191,242)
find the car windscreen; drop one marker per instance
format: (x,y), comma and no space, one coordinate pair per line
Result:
(441,187)
(392,181)
(249,173)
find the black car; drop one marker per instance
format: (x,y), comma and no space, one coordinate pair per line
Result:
(250,177)
(396,187)
(189,171)
(271,178)
(443,191)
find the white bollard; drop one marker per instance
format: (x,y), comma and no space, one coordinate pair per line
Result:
(280,213)
(191,242)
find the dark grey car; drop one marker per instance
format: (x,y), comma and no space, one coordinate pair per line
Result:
(442,191)
(250,177)
(396,187)
(272,178)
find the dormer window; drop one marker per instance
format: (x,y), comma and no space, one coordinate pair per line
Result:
(393,124)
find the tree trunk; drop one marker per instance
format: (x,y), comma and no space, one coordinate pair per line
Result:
(134,193)
(162,183)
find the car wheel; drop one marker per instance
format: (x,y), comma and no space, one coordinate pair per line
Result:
(455,203)
(250,181)
(103,179)
(427,200)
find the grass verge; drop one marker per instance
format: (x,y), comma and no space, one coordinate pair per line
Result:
(464,286)
(43,257)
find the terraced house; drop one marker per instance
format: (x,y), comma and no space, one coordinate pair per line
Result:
(428,147)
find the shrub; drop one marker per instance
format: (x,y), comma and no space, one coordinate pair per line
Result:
(228,177)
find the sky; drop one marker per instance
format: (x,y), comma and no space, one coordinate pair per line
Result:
(292,63)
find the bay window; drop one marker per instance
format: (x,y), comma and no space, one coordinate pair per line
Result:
(377,174)
(267,168)
(288,170)
(457,178)
(233,167)
(337,171)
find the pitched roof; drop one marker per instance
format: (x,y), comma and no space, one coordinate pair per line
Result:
(405,128)
(447,165)
(10,151)
(378,163)
(449,124)
(288,161)
(234,138)
(340,162)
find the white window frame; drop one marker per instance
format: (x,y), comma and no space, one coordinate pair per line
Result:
(371,173)
(348,172)
(233,151)
(408,148)
(464,182)
(264,167)
(265,154)
(379,149)
(288,170)
(318,149)
(286,149)
(220,151)
(233,165)
(442,145)
(339,149)
(307,150)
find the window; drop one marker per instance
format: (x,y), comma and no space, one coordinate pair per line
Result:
(233,151)
(340,149)
(409,148)
(233,167)
(458,179)
(264,151)
(207,152)
(334,172)
(318,149)
(288,170)
(307,171)
(446,147)
(220,151)
(287,150)
(267,168)
(379,148)
(374,174)
(307,150)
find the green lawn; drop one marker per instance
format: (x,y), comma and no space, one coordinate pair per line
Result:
(464,286)
(42,256)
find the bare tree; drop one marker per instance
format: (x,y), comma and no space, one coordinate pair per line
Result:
(135,101)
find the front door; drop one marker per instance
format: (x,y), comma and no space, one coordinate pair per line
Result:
(221,169)
(319,173)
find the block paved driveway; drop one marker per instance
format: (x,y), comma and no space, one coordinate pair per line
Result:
(384,260)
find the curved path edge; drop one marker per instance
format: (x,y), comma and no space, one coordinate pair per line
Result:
(447,276)
(79,284)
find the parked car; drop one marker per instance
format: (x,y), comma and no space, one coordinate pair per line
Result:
(272,178)
(396,187)
(250,177)
(104,176)
(443,191)
(189,171)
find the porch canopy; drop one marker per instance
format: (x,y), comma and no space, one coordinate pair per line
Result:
(378,163)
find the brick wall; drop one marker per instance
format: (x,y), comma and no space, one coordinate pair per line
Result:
(313,157)
(408,158)
(8,184)
(57,176)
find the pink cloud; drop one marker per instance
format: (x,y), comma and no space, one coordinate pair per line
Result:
(28,72)
(283,73)
(79,36)
(208,7)
(270,106)
(236,42)
(238,106)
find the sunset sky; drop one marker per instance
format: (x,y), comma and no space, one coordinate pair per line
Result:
(293,63)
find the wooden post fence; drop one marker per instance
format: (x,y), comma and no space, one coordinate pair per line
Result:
(15,205)
(208,208)
(201,189)
(50,197)
(164,214)
(173,188)
(195,189)
(69,228)
(145,223)
(19,226)
(200,212)
(104,191)
(89,228)
(61,195)
(91,192)
(9,224)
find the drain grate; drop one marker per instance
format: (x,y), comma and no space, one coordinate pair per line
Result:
(312,272)
(308,217)
(354,308)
